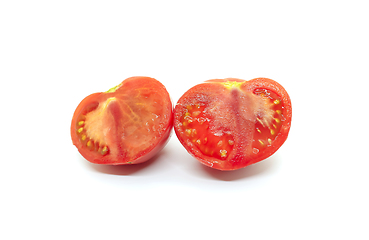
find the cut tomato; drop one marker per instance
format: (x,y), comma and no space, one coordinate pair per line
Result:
(128,124)
(230,123)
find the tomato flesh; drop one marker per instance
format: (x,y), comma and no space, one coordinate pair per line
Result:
(231,123)
(127,124)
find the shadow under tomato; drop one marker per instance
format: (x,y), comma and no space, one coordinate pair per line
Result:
(253,170)
(124,169)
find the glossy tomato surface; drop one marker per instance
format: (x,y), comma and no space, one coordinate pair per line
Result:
(128,124)
(231,123)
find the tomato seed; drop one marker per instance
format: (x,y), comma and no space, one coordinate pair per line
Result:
(194,132)
(104,151)
(89,144)
(188,132)
(223,153)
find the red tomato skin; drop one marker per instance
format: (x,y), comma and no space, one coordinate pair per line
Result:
(121,159)
(243,130)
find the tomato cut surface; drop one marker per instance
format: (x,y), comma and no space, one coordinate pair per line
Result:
(230,123)
(128,124)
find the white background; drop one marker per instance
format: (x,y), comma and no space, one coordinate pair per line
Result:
(55,53)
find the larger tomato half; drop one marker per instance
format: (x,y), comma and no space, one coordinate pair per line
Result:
(230,123)
(128,124)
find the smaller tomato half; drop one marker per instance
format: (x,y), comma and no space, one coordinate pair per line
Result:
(128,124)
(231,123)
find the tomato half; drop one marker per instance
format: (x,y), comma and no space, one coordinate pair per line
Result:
(128,124)
(230,123)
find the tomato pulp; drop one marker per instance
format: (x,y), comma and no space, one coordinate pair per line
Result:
(128,124)
(231,123)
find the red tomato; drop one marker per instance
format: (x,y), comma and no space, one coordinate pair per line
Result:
(230,123)
(128,124)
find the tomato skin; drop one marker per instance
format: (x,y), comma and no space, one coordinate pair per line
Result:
(113,114)
(229,109)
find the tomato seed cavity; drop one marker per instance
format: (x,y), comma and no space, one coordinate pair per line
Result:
(87,141)
(195,126)
(265,131)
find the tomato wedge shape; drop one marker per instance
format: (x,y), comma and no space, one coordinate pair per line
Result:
(231,123)
(128,124)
